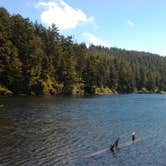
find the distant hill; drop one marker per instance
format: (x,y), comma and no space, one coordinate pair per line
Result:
(35,60)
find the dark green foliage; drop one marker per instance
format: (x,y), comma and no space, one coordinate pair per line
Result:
(36,60)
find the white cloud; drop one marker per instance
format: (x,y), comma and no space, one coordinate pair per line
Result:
(130,23)
(62,15)
(160,51)
(92,39)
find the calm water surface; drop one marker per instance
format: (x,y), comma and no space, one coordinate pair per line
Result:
(60,131)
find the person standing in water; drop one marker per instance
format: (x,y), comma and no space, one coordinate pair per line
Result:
(133,136)
(112,147)
(116,143)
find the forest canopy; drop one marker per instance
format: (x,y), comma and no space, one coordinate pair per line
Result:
(35,60)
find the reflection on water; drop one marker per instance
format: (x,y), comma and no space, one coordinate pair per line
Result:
(60,131)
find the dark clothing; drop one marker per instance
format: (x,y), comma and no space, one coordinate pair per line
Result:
(116,143)
(133,137)
(112,147)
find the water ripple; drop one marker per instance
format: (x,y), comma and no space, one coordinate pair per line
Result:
(60,131)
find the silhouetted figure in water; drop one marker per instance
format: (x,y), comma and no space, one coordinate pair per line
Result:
(116,143)
(133,137)
(112,147)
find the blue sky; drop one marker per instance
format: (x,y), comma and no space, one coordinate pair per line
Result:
(129,24)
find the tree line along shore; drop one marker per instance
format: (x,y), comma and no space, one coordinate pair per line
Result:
(35,60)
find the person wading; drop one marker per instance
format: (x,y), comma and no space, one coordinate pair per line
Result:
(133,136)
(112,147)
(116,143)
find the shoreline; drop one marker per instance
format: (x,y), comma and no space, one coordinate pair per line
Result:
(78,95)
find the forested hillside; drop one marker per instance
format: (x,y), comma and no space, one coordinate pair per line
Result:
(35,60)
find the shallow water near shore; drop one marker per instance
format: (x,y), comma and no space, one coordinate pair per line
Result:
(61,130)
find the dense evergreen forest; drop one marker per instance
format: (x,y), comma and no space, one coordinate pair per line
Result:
(35,60)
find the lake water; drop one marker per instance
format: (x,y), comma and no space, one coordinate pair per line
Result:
(61,130)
